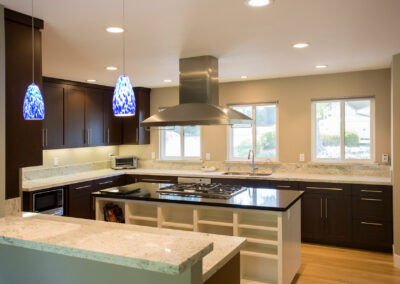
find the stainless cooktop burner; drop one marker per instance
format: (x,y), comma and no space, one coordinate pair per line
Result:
(203,190)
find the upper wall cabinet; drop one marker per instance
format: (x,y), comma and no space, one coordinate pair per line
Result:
(112,124)
(23,137)
(74,117)
(133,133)
(94,117)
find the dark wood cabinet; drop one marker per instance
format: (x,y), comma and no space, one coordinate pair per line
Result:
(24,142)
(243,182)
(112,124)
(289,185)
(133,133)
(74,117)
(337,219)
(156,179)
(94,117)
(79,200)
(312,217)
(53,124)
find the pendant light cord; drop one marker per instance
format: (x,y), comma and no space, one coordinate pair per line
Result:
(33,47)
(123,36)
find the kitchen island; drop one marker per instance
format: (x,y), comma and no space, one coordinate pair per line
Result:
(268,218)
(85,251)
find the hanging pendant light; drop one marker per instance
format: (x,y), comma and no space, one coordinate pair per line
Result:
(33,108)
(124,103)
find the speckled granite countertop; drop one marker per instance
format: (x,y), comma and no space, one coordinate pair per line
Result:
(160,250)
(38,184)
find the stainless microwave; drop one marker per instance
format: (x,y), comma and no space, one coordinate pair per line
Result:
(49,202)
(123,162)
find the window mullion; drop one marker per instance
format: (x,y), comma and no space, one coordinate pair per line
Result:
(342,131)
(182,141)
(254,130)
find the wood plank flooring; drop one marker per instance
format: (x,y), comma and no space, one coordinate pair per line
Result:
(332,265)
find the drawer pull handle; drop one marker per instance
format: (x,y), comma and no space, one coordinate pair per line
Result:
(325,188)
(283,186)
(371,199)
(82,187)
(156,180)
(373,191)
(106,182)
(372,224)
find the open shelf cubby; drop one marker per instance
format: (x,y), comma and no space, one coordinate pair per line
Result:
(253,267)
(100,208)
(143,211)
(255,220)
(177,216)
(260,250)
(215,217)
(259,236)
(216,229)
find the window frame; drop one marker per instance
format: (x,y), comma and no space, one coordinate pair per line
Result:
(230,133)
(342,158)
(161,144)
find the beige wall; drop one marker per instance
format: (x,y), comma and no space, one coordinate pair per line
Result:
(396,152)
(2,114)
(78,155)
(294,96)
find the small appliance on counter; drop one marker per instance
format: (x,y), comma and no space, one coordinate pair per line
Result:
(124,162)
(49,202)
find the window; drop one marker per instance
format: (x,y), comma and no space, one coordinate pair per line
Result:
(342,129)
(180,142)
(260,137)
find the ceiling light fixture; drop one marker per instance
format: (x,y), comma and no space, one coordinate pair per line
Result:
(111,68)
(243,77)
(124,102)
(258,3)
(301,45)
(115,30)
(91,80)
(33,108)
(167,80)
(321,66)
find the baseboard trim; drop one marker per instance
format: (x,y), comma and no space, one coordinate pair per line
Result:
(396,260)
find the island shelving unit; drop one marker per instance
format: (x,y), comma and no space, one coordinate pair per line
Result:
(272,251)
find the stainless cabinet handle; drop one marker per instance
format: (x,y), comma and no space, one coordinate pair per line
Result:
(82,187)
(46,138)
(43,139)
(87,136)
(372,223)
(371,199)
(324,188)
(321,208)
(283,186)
(326,208)
(108,135)
(155,180)
(106,182)
(91,136)
(137,135)
(369,190)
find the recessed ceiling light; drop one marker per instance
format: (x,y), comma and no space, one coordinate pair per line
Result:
(91,80)
(111,68)
(243,77)
(258,3)
(167,81)
(115,30)
(301,45)
(321,66)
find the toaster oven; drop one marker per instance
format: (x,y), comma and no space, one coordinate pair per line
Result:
(123,162)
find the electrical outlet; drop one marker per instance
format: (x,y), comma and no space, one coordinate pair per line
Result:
(208,156)
(153,155)
(385,158)
(301,157)
(55,161)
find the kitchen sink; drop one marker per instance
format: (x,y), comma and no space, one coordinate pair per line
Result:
(245,174)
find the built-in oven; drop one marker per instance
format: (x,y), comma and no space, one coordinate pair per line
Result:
(49,202)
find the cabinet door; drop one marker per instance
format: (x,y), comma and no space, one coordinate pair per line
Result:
(312,217)
(53,124)
(94,134)
(112,124)
(74,116)
(79,203)
(338,218)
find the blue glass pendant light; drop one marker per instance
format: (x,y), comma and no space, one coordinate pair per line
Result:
(124,103)
(33,108)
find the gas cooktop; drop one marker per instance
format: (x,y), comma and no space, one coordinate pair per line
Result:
(212,190)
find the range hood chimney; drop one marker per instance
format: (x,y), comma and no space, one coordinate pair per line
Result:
(198,98)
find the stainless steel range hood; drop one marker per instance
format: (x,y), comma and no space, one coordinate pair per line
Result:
(198,98)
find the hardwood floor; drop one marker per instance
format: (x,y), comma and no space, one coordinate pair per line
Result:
(332,265)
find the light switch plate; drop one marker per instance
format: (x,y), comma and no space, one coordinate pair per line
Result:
(385,158)
(55,161)
(208,156)
(301,157)
(153,155)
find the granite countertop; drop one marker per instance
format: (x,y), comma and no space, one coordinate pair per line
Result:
(38,184)
(172,253)
(251,198)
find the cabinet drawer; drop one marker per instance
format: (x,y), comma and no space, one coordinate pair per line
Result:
(374,191)
(242,182)
(293,185)
(157,179)
(81,187)
(105,183)
(372,235)
(326,188)
(371,208)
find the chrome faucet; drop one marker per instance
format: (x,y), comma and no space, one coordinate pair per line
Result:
(253,168)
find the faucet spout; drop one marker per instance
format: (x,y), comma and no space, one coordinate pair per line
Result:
(253,167)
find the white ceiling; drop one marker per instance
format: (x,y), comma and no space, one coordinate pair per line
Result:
(347,35)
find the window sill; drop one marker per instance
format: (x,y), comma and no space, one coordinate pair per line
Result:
(345,163)
(193,161)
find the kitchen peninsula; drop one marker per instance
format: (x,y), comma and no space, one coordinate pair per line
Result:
(268,218)
(84,251)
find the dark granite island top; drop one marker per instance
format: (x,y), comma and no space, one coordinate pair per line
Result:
(252,198)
